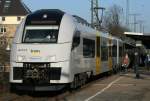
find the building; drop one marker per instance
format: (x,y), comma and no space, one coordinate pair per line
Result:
(11,14)
(140,38)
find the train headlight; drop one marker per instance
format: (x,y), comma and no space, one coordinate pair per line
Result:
(20,58)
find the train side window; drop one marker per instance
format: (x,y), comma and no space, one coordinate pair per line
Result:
(104,49)
(114,49)
(98,46)
(76,39)
(120,50)
(88,48)
(110,47)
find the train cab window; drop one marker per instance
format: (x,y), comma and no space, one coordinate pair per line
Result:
(41,35)
(88,48)
(114,48)
(104,49)
(76,39)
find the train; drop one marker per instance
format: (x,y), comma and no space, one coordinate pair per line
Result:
(52,50)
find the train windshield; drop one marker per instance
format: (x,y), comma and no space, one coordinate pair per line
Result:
(41,34)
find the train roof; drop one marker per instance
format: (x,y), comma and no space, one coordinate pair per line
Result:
(81,20)
(45,16)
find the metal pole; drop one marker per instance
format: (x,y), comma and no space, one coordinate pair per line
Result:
(143,29)
(140,27)
(92,13)
(141,22)
(135,20)
(134,23)
(137,60)
(127,13)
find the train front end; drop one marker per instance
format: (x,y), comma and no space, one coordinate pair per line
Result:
(40,53)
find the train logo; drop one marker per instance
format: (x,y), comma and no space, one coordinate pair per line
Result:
(35,52)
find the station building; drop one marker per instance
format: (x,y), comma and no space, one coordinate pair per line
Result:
(11,14)
(142,39)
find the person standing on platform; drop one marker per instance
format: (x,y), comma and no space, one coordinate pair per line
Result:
(148,62)
(136,64)
(126,62)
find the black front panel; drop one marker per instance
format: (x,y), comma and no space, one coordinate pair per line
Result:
(17,73)
(40,73)
(54,73)
(36,73)
(45,17)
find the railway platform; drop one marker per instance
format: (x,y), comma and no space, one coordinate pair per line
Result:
(120,87)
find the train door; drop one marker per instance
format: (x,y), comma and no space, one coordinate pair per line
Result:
(104,54)
(110,53)
(120,52)
(98,55)
(76,50)
(114,54)
(88,54)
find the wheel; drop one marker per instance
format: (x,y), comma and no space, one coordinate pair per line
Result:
(73,85)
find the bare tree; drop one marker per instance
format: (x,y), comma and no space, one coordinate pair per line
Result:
(112,21)
(4,54)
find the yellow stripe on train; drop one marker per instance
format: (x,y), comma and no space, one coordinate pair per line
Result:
(98,65)
(98,56)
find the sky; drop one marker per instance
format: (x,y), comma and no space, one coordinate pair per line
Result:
(82,8)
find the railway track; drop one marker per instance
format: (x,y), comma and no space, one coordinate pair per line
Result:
(47,96)
(61,96)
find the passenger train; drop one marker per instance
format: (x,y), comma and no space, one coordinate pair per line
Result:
(52,50)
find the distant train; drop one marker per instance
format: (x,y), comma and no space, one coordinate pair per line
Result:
(52,50)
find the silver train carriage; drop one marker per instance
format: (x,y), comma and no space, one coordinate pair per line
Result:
(52,50)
